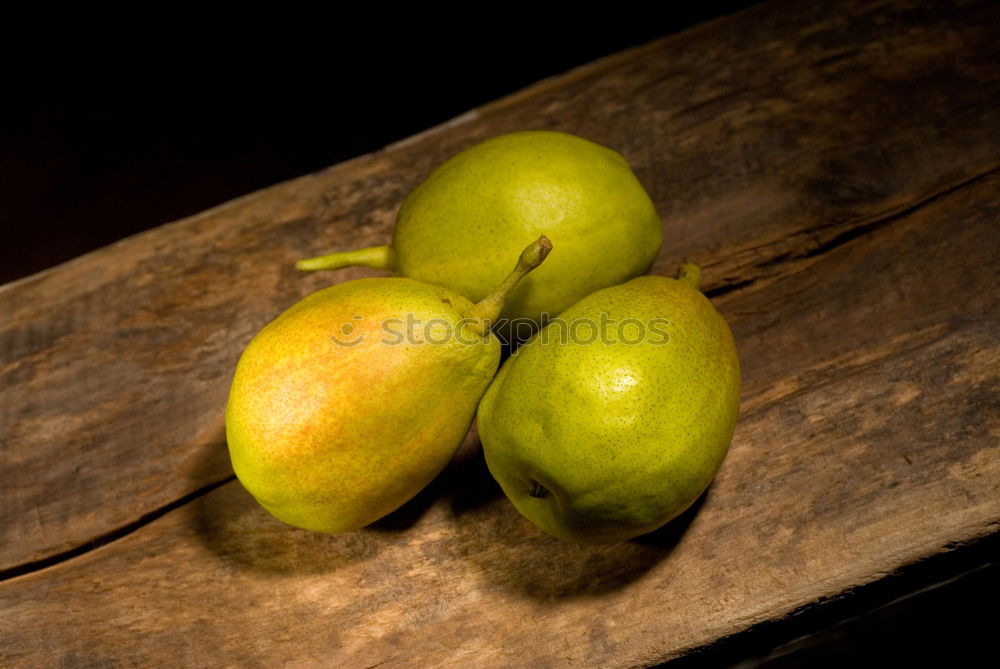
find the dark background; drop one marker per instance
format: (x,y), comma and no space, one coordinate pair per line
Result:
(103,135)
(102,138)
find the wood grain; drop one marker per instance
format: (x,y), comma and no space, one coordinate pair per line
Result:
(832,166)
(829,485)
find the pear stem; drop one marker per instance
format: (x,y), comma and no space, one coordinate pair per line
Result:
(480,317)
(376,257)
(690,274)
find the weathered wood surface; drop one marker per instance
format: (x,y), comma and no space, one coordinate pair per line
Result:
(832,166)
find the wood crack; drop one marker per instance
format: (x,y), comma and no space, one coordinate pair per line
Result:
(109,537)
(865,228)
(781,253)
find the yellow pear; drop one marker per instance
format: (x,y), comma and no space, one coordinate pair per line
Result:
(615,417)
(460,227)
(355,398)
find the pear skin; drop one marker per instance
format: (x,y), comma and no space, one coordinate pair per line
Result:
(600,438)
(355,398)
(460,227)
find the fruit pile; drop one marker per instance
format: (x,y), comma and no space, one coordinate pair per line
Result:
(609,421)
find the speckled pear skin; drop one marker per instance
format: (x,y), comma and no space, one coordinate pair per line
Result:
(331,438)
(460,227)
(597,442)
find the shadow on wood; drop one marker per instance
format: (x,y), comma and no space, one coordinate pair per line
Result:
(536,566)
(530,563)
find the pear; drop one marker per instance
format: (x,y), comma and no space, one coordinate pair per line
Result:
(460,226)
(355,398)
(615,417)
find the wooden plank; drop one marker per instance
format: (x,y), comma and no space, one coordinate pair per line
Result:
(763,135)
(882,458)
(833,168)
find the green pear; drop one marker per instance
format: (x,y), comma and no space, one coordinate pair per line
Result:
(355,398)
(460,226)
(615,417)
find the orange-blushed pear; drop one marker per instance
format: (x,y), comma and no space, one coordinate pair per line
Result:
(355,398)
